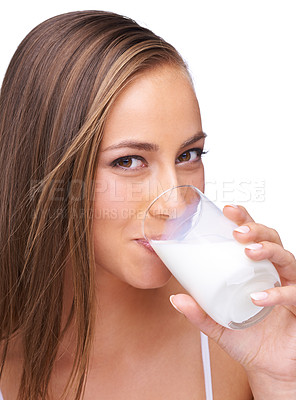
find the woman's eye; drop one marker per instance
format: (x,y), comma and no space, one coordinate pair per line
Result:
(128,162)
(190,155)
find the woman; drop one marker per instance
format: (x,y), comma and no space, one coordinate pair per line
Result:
(98,116)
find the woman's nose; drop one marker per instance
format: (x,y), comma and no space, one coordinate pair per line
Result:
(167,201)
(166,178)
(171,204)
(169,215)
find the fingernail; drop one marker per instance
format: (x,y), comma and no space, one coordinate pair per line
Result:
(254,246)
(232,205)
(171,300)
(242,229)
(259,295)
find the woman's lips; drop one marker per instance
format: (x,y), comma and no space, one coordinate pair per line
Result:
(146,244)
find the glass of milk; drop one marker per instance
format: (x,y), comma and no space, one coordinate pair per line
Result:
(194,240)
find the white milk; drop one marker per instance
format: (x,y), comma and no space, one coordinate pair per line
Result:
(219,276)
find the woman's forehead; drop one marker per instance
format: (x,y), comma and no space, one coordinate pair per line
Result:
(159,100)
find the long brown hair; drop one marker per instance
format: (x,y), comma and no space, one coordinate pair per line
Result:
(55,97)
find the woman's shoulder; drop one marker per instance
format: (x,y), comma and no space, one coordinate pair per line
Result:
(12,371)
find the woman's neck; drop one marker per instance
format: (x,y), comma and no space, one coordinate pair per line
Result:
(126,317)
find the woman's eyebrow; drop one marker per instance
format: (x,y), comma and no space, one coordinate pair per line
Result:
(132,144)
(195,138)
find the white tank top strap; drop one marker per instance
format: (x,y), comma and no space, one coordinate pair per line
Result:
(205,352)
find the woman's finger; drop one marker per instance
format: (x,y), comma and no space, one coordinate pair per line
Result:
(285,295)
(237,214)
(253,232)
(283,260)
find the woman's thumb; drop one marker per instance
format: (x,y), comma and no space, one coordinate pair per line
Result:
(196,315)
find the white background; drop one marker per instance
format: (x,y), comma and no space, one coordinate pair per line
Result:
(242,56)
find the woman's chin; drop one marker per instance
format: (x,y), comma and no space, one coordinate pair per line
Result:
(153,279)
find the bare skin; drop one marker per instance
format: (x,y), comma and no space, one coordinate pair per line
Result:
(153,351)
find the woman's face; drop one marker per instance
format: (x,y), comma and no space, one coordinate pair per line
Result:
(152,141)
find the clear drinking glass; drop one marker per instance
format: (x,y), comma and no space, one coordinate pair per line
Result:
(194,239)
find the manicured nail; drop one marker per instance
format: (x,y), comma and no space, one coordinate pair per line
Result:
(242,229)
(171,300)
(254,246)
(259,295)
(232,205)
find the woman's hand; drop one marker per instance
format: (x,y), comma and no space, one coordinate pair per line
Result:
(268,349)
